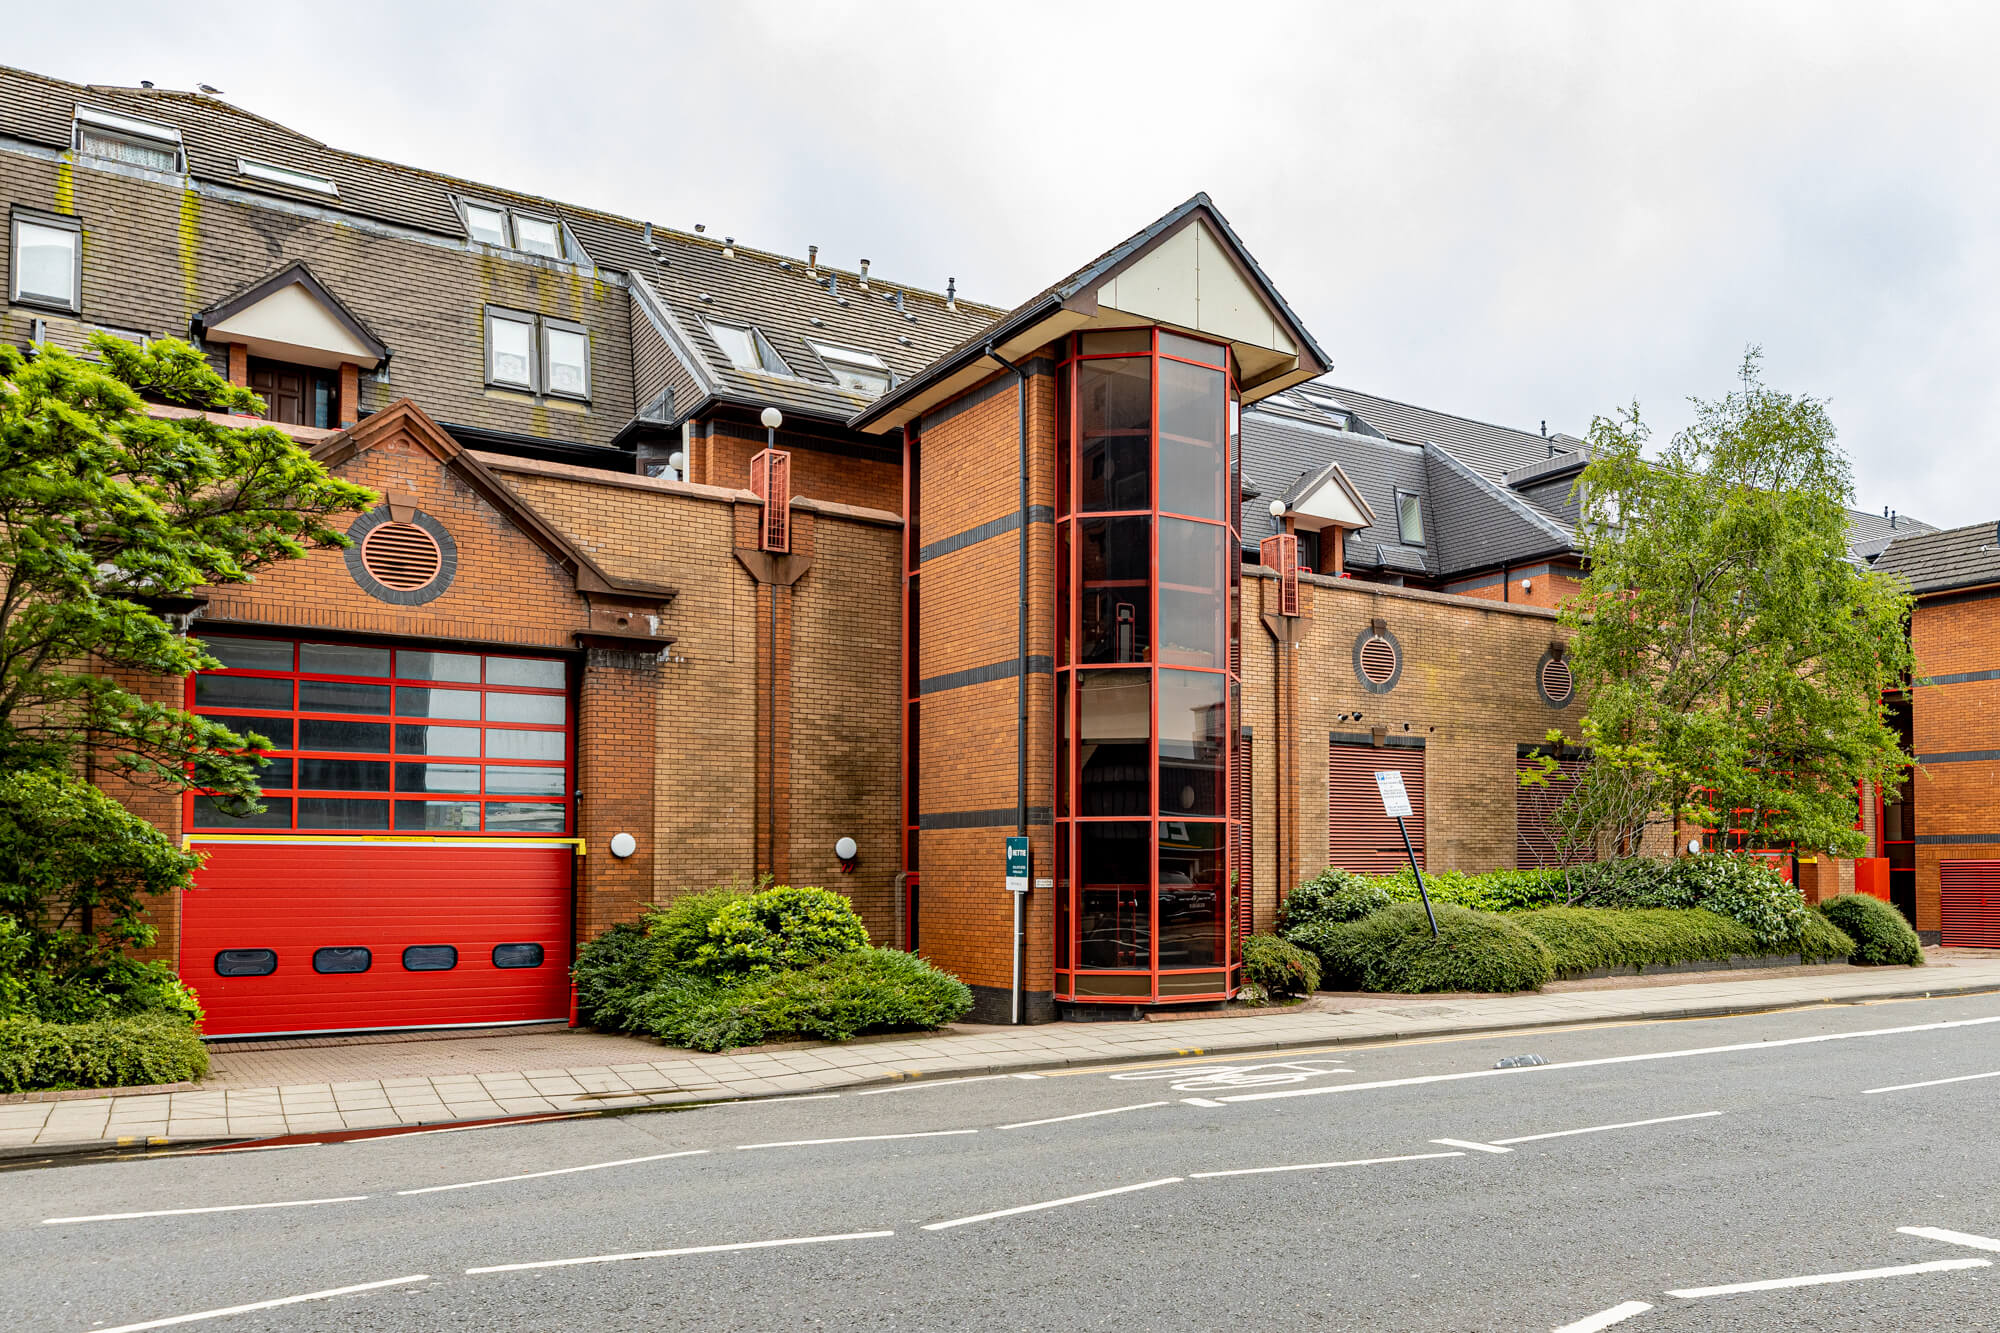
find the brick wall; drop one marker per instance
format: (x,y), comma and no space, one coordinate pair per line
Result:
(1956,724)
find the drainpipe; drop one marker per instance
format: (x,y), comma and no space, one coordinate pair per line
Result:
(1020,683)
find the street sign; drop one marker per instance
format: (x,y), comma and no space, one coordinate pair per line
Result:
(1017,865)
(1395,798)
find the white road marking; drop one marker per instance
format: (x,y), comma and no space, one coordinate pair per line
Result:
(1604,1319)
(1929,1083)
(1212,1078)
(1599,1129)
(267,1305)
(1531,1070)
(560,1171)
(1953,1238)
(672,1254)
(1200,1101)
(1319,1166)
(1052,1203)
(916,1084)
(1083,1115)
(1471,1146)
(1821,1279)
(858,1138)
(188,1212)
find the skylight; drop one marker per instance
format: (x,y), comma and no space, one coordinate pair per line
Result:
(276,175)
(748,349)
(139,143)
(857,372)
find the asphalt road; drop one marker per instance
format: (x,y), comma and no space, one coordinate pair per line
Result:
(1766,1159)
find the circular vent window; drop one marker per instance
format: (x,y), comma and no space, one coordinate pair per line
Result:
(1558,684)
(401,556)
(1378,660)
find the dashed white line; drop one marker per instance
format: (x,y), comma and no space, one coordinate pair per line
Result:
(1051,1203)
(1953,1237)
(1604,1319)
(1470,1146)
(1200,1101)
(329,1294)
(189,1212)
(559,1171)
(1319,1166)
(672,1254)
(1822,1279)
(857,1138)
(1599,1129)
(915,1085)
(1929,1083)
(1083,1115)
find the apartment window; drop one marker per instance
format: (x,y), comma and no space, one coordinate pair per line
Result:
(748,349)
(540,355)
(537,236)
(1410,518)
(565,359)
(277,175)
(139,143)
(510,349)
(46,249)
(492,224)
(858,372)
(486,224)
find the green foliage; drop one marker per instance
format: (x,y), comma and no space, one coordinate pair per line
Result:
(1490,891)
(1881,936)
(1331,896)
(106,1053)
(681,928)
(1392,950)
(1586,939)
(869,990)
(1820,941)
(1731,656)
(1279,967)
(779,928)
(612,973)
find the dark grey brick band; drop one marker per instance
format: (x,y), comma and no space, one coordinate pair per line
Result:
(1001,818)
(979,675)
(993,527)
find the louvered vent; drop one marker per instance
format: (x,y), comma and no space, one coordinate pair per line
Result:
(1281,553)
(771,479)
(1557,682)
(1359,836)
(401,556)
(1969,894)
(1378,660)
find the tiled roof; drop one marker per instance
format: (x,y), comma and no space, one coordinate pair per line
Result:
(1936,561)
(1868,535)
(1280,450)
(1492,450)
(1476,523)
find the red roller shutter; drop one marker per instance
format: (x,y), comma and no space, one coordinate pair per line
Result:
(1970,904)
(1358,835)
(1240,782)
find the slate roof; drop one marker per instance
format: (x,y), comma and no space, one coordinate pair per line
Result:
(1281,449)
(1474,522)
(1937,561)
(1493,450)
(1868,535)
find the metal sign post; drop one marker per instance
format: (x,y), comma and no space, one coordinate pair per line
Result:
(1018,872)
(1396,804)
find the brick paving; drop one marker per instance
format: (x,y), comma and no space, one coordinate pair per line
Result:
(268,1089)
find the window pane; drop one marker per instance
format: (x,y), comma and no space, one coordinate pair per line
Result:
(430,958)
(45,263)
(486,224)
(1191,743)
(524,744)
(320,733)
(1191,902)
(419,701)
(343,775)
(537,236)
(1064,760)
(333,813)
(342,696)
(1193,410)
(437,777)
(275,774)
(569,361)
(502,781)
(1114,729)
(1121,340)
(153,157)
(1193,607)
(1114,408)
(510,346)
(412,739)
(517,955)
(250,654)
(737,345)
(242,692)
(1410,514)
(339,960)
(277,730)
(525,816)
(1114,908)
(438,666)
(437,816)
(545,709)
(1172,344)
(343,659)
(209,812)
(531,672)
(872,383)
(1117,596)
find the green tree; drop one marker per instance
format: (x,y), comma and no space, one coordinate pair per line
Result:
(1733,656)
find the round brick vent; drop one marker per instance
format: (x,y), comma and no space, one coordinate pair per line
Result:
(401,556)
(1378,660)
(1557,682)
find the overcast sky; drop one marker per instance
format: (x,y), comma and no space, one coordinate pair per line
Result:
(1516,212)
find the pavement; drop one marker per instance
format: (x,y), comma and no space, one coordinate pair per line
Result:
(320,1086)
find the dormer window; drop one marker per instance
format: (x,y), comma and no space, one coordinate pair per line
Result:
(1410,518)
(857,372)
(127,139)
(289,176)
(491,224)
(748,349)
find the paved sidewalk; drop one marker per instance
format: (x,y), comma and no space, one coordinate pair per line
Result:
(653,1075)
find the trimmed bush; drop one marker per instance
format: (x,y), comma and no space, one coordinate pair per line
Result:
(1881,936)
(779,929)
(109,1053)
(1493,891)
(1585,939)
(1330,897)
(870,990)
(1279,967)
(1820,941)
(612,973)
(681,928)
(1392,950)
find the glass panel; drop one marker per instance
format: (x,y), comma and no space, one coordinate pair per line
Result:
(1110,984)
(319,733)
(569,361)
(511,347)
(210,813)
(525,816)
(250,654)
(1192,919)
(334,813)
(246,962)
(430,958)
(1191,983)
(275,774)
(1114,733)
(1114,903)
(1064,578)
(1172,344)
(1192,733)
(1193,408)
(548,709)
(277,730)
(153,157)
(1061,874)
(737,345)
(341,696)
(1063,441)
(1114,406)
(536,235)
(437,816)
(1193,601)
(438,777)
(541,673)
(421,701)
(1117,616)
(344,774)
(338,960)
(524,781)
(437,666)
(45,266)
(1063,756)
(517,955)
(343,659)
(522,744)
(413,739)
(1118,340)
(1410,518)
(486,224)
(241,692)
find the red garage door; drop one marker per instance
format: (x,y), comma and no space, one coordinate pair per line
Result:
(286,936)
(1358,835)
(1970,904)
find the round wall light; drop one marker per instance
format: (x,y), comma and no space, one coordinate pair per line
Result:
(1277,509)
(623,845)
(772,418)
(1694,846)
(846,850)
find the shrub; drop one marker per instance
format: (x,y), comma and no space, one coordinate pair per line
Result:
(1330,897)
(1279,967)
(1820,941)
(701,1013)
(1584,939)
(612,973)
(779,929)
(682,927)
(1392,950)
(108,1053)
(1881,936)
(1493,891)
(869,990)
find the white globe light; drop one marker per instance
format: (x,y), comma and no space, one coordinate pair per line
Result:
(623,845)
(677,460)
(772,418)
(1277,509)
(845,849)
(1694,846)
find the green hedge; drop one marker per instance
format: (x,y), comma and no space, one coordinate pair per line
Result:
(777,930)
(1392,950)
(1586,939)
(107,1053)
(1279,967)
(1881,936)
(1330,897)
